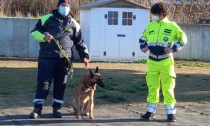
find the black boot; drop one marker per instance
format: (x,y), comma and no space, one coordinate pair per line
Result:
(148,116)
(57,112)
(171,118)
(36,113)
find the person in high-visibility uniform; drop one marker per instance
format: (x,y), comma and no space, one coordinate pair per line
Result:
(161,38)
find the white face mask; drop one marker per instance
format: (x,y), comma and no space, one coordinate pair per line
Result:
(64,10)
(155,18)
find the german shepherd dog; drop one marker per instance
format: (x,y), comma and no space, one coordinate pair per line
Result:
(83,102)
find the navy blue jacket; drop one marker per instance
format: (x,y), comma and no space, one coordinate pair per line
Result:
(64,29)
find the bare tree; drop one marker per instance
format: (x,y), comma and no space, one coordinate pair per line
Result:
(187,11)
(184,11)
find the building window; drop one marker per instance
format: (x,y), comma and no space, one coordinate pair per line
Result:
(127,18)
(112,18)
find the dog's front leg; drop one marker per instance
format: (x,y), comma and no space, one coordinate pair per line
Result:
(91,105)
(78,107)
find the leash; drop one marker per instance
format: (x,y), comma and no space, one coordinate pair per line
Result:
(66,56)
(69,62)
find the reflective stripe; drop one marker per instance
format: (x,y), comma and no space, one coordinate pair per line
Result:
(152,55)
(151,44)
(151,107)
(178,45)
(162,44)
(39,37)
(170,109)
(86,49)
(142,38)
(58,101)
(66,76)
(160,56)
(76,24)
(142,42)
(158,44)
(65,79)
(38,101)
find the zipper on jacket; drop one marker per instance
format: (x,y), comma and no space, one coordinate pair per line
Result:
(158,31)
(158,38)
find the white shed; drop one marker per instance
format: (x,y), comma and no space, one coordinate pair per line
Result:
(112,28)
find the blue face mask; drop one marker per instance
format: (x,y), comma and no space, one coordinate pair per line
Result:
(64,10)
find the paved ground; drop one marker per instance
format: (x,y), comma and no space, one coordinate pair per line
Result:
(120,115)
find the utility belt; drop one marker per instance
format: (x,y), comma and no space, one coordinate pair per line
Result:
(160,57)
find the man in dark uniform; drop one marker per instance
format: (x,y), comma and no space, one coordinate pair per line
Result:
(52,63)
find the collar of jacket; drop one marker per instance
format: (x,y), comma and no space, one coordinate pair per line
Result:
(56,14)
(164,20)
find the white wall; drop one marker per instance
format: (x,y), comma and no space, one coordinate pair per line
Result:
(142,20)
(85,19)
(96,33)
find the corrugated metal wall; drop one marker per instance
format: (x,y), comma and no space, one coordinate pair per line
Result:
(15,40)
(198,46)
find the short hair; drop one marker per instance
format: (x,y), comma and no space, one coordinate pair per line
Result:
(159,8)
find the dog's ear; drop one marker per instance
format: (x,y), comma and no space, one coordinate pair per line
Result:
(96,71)
(91,74)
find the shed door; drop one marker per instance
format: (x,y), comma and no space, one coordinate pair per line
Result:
(120,34)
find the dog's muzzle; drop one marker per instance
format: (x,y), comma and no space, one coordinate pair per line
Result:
(100,83)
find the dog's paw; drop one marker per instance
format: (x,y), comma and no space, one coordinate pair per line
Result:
(91,117)
(79,117)
(87,114)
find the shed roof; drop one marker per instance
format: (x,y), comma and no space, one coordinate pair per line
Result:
(113,3)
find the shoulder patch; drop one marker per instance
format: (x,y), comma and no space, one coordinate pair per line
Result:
(44,18)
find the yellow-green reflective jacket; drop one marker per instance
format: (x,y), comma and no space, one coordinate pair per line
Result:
(161,34)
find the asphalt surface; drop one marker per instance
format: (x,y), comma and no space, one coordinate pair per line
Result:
(119,115)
